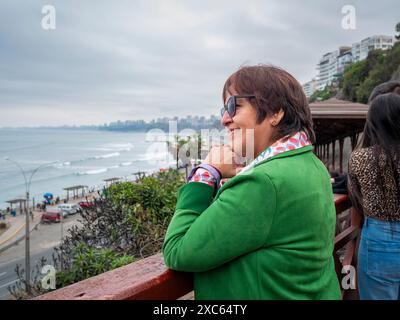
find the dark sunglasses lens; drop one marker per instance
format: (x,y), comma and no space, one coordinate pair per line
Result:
(231,106)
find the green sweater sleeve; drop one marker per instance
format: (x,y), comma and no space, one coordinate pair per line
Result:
(204,234)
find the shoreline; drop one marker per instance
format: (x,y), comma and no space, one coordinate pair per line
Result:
(91,191)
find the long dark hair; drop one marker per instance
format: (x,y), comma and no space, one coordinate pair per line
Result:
(382,133)
(386,87)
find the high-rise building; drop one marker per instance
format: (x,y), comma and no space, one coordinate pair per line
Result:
(355,51)
(332,64)
(310,87)
(361,49)
(328,67)
(343,60)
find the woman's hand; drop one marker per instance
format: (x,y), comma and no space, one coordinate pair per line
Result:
(225,160)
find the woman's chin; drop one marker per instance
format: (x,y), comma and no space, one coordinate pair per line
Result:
(239,150)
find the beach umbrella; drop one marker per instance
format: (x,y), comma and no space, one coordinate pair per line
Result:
(48,195)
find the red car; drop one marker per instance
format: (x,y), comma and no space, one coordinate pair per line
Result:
(86,204)
(51,216)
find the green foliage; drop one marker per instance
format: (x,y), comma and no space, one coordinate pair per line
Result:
(352,78)
(393,59)
(89,262)
(128,223)
(361,77)
(376,76)
(186,148)
(325,94)
(153,193)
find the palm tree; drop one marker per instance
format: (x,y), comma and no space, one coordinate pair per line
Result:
(175,146)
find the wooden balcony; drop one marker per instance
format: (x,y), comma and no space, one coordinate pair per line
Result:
(150,279)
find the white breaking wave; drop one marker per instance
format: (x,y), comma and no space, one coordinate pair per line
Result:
(109,155)
(102,170)
(64,164)
(94,171)
(115,147)
(158,156)
(104,156)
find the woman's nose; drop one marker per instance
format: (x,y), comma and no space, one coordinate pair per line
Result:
(226,119)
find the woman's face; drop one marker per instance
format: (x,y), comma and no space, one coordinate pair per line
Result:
(247,138)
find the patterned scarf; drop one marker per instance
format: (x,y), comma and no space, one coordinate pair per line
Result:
(288,143)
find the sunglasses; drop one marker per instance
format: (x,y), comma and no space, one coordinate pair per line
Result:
(231,104)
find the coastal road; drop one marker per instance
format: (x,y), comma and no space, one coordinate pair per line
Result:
(42,242)
(7,271)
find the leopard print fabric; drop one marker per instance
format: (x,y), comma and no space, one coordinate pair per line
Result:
(378,203)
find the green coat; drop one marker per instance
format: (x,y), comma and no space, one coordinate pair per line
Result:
(267,234)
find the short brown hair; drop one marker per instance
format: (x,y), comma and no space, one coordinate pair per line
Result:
(274,89)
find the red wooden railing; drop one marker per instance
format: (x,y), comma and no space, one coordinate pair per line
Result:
(150,279)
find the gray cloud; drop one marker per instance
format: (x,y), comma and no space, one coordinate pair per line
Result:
(145,59)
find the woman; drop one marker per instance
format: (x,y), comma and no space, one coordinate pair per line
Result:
(268,232)
(374,187)
(386,87)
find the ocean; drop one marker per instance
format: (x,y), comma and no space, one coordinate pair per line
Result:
(74,157)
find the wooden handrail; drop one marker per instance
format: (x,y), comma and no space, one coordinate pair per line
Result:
(150,279)
(342,203)
(347,240)
(145,279)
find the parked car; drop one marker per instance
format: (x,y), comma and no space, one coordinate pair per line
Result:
(86,204)
(69,208)
(51,216)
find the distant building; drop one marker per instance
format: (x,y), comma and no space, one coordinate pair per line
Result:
(356,51)
(361,49)
(332,64)
(328,67)
(343,60)
(310,87)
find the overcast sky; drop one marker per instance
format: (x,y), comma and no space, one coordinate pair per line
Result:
(120,60)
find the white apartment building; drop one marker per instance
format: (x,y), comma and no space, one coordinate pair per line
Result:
(332,64)
(310,87)
(361,49)
(328,67)
(343,60)
(355,51)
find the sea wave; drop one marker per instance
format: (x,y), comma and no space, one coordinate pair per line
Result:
(103,170)
(99,157)
(63,164)
(106,156)
(155,156)
(93,171)
(117,147)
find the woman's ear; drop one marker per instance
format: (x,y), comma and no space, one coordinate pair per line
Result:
(277,117)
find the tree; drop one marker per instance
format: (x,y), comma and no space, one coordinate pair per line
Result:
(381,67)
(129,223)
(325,94)
(353,76)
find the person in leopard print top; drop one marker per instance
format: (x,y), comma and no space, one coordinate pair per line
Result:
(374,188)
(378,200)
